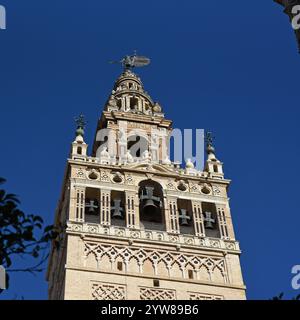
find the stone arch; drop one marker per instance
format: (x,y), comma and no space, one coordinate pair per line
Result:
(119,261)
(91,260)
(190,271)
(133,265)
(204,273)
(148,267)
(162,268)
(105,262)
(218,274)
(151,205)
(176,271)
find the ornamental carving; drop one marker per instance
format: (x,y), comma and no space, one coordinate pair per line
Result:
(157,294)
(80,173)
(156,262)
(216,191)
(104,176)
(194,188)
(108,291)
(171,185)
(129,179)
(204,296)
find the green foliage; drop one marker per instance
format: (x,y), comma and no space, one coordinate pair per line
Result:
(280,297)
(18,234)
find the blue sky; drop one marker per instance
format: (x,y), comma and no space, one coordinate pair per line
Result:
(219,65)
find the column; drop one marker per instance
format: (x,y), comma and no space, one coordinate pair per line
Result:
(105,207)
(222,221)
(77,203)
(132,210)
(122,141)
(198,219)
(171,214)
(154,145)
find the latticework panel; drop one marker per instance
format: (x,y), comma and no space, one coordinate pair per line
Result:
(157,294)
(108,291)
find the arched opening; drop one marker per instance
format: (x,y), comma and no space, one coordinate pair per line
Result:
(93,175)
(137,145)
(216,168)
(79,150)
(210,220)
(185,216)
(118,215)
(119,103)
(133,103)
(151,205)
(92,206)
(190,273)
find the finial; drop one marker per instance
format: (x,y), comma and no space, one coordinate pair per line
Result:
(209,139)
(81,123)
(131,61)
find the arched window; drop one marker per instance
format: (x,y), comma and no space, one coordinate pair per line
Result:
(92,205)
(118,214)
(185,212)
(210,219)
(151,205)
(134,103)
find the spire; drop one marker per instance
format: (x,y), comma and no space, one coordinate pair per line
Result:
(79,147)
(209,145)
(128,94)
(81,123)
(213,165)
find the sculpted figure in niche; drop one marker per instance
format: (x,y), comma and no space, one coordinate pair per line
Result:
(146,156)
(129,157)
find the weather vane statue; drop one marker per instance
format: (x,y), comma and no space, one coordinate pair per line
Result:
(81,123)
(130,62)
(209,139)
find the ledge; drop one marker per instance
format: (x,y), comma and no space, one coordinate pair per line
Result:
(153,236)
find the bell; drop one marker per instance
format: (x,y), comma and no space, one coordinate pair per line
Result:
(149,205)
(117,210)
(208,220)
(92,207)
(184,219)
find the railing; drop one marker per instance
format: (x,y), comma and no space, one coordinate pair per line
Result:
(152,235)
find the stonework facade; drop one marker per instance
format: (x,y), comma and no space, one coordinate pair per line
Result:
(136,225)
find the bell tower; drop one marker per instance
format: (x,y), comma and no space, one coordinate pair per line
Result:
(135,225)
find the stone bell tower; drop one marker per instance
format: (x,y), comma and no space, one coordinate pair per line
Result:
(135,225)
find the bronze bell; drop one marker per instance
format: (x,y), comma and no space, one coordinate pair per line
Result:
(184,218)
(117,210)
(149,205)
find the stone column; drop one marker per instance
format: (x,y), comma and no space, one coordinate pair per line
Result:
(198,219)
(105,207)
(154,144)
(77,203)
(122,141)
(132,210)
(171,215)
(222,221)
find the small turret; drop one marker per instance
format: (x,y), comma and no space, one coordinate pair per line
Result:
(213,165)
(79,147)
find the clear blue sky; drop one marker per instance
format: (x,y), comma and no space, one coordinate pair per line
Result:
(222,65)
